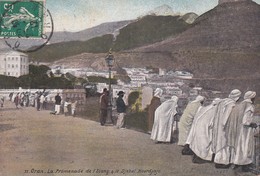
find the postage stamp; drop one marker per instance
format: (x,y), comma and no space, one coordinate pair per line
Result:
(21,18)
(25,26)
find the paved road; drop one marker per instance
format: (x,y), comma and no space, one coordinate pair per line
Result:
(38,143)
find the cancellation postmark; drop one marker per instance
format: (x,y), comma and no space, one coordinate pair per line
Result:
(25,25)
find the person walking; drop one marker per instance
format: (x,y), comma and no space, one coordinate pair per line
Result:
(200,136)
(38,100)
(121,110)
(42,98)
(103,106)
(57,104)
(220,139)
(155,103)
(186,121)
(67,103)
(74,107)
(164,119)
(241,132)
(16,100)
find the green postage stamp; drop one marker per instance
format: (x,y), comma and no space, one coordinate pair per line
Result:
(22,19)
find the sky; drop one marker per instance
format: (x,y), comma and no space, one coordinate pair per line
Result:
(76,15)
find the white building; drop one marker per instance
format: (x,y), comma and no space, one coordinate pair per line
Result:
(14,63)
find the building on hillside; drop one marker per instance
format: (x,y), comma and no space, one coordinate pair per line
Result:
(14,63)
(162,72)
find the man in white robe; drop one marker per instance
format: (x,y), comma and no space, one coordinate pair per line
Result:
(187,119)
(200,136)
(219,142)
(163,121)
(241,123)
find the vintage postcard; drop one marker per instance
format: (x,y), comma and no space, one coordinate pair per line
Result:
(129,87)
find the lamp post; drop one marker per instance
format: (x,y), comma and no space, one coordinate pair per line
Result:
(110,63)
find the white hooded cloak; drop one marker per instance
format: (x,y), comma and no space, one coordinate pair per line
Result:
(219,142)
(186,119)
(164,119)
(243,141)
(200,136)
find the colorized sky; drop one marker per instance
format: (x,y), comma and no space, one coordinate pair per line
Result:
(76,15)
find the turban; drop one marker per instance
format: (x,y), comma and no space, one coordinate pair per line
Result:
(215,101)
(174,98)
(199,98)
(235,94)
(158,92)
(249,95)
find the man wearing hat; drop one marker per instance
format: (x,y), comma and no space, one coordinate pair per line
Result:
(121,109)
(241,132)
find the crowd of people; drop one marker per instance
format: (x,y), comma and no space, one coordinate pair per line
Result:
(222,132)
(26,99)
(39,100)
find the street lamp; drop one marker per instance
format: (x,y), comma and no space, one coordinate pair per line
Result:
(110,63)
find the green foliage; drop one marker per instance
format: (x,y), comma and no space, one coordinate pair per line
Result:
(59,82)
(25,81)
(135,101)
(38,70)
(38,79)
(133,96)
(8,82)
(70,77)
(61,50)
(80,81)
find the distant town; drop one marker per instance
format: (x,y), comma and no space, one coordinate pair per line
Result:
(173,82)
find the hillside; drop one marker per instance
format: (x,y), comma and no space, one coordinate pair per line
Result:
(221,47)
(147,30)
(223,42)
(58,51)
(84,35)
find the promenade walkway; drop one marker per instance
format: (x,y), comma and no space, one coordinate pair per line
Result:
(36,143)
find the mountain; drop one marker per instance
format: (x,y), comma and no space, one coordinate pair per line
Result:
(149,29)
(221,48)
(146,30)
(97,31)
(57,51)
(224,42)
(81,36)
(163,10)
